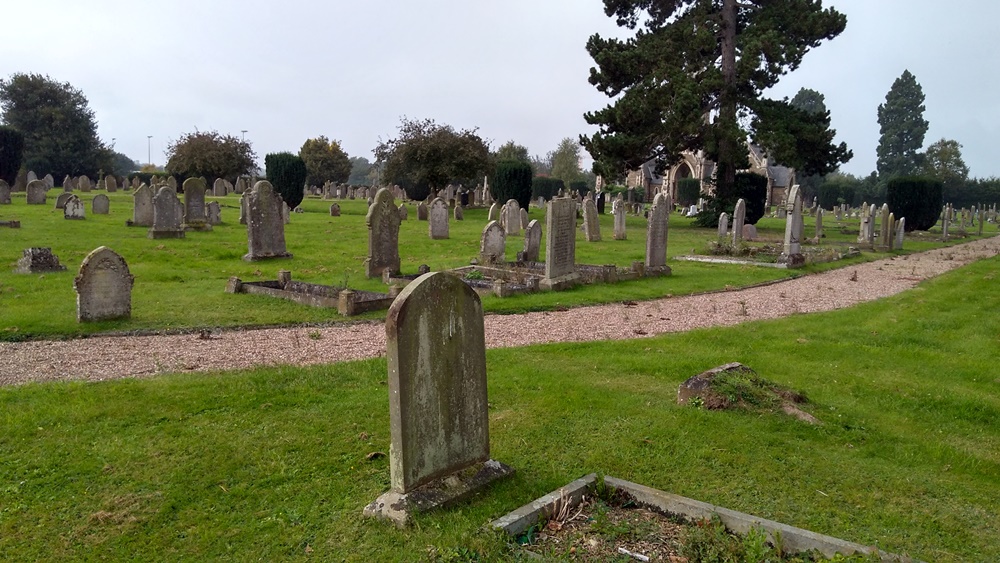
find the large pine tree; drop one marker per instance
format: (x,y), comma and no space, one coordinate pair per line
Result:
(694,71)
(902,127)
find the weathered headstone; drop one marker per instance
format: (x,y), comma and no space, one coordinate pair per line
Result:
(739,218)
(403,211)
(890,227)
(591,221)
(438,410)
(74,208)
(111,183)
(749,231)
(142,208)
(493,244)
(723,225)
(334,210)
(657,230)
(168,214)
(560,244)
(194,205)
(4,193)
(21,182)
(618,212)
(36,192)
(243,207)
(38,261)
(900,233)
(511,217)
(819,225)
(100,205)
(241,185)
(265,225)
(61,199)
(524,218)
(383,235)
(83,183)
(172,182)
(459,213)
(884,227)
(219,187)
(214,213)
(422,211)
(437,226)
(792,248)
(103,287)
(532,242)
(50,182)
(31,176)
(67,184)
(494,212)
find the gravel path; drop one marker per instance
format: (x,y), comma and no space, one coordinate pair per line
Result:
(115,357)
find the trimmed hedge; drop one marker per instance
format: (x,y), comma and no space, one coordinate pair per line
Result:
(918,199)
(749,186)
(11,154)
(546,187)
(287,173)
(688,191)
(512,180)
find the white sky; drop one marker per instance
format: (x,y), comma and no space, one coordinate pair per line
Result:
(517,69)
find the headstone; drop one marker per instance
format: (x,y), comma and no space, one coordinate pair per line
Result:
(67,184)
(945,220)
(286,213)
(422,211)
(560,244)
(36,192)
(103,287)
(723,225)
(100,205)
(74,208)
(219,187)
(511,217)
(334,210)
(524,218)
(4,193)
(900,233)
(493,244)
(438,219)
(31,177)
(38,261)
(792,249)
(214,212)
(459,213)
(168,215)
(739,218)
(194,205)
(172,182)
(111,183)
(494,213)
(657,227)
(890,228)
(591,221)
(241,185)
(142,209)
(532,241)
(50,182)
(602,203)
(618,212)
(383,235)
(819,225)
(21,182)
(83,183)
(61,199)
(403,212)
(265,225)
(884,227)
(749,232)
(438,404)
(243,207)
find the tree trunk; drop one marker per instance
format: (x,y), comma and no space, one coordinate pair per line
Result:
(727,127)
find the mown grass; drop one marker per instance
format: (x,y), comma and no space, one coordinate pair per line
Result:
(270,464)
(180,283)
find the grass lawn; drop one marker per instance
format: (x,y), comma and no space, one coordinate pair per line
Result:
(270,464)
(180,283)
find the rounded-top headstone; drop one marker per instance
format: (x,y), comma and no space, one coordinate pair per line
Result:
(103,287)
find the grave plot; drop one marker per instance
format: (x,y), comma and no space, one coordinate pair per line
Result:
(348,302)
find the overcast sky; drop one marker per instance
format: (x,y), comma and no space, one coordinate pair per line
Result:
(292,70)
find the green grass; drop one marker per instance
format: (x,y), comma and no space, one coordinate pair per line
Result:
(180,283)
(269,464)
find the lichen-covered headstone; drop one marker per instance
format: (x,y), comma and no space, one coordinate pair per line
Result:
(265,223)
(37,261)
(437,214)
(532,241)
(74,208)
(142,209)
(101,205)
(36,192)
(591,222)
(383,235)
(560,244)
(214,213)
(493,244)
(168,215)
(657,228)
(438,411)
(334,210)
(103,287)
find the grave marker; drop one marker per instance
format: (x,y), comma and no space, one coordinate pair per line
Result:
(492,244)
(591,221)
(265,223)
(383,235)
(100,205)
(657,227)
(142,211)
(560,244)
(36,192)
(103,287)
(532,242)
(167,215)
(438,219)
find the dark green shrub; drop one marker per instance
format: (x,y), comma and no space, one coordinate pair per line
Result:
(580,186)
(512,180)
(546,187)
(917,199)
(688,191)
(416,191)
(11,153)
(287,173)
(749,186)
(638,194)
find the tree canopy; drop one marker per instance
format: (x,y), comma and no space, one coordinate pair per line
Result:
(325,161)
(210,154)
(902,128)
(693,72)
(11,153)
(565,161)
(943,161)
(59,128)
(426,156)
(360,171)
(512,151)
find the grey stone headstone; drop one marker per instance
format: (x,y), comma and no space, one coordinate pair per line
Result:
(265,223)
(422,211)
(459,213)
(739,218)
(723,224)
(403,212)
(241,185)
(61,200)
(36,192)
(21,182)
(334,210)
(494,213)
(172,182)
(111,183)
(83,183)
(560,243)
(511,217)
(383,235)
(657,227)
(100,205)
(31,177)
(437,215)
(50,182)
(219,187)
(524,218)
(492,244)
(819,224)
(618,211)
(67,184)
(214,212)
(900,233)
(103,287)
(4,193)
(74,208)
(532,241)
(194,204)
(884,226)
(168,215)
(142,210)
(792,249)
(591,221)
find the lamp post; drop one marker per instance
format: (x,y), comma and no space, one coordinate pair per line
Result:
(149,152)
(243,134)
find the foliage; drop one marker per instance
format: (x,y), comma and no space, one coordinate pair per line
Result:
(512,180)
(426,156)
(512,151)
(546,187)
(566,161)
(325,161)
(943,161)
(682,65)
(809,100)
(917,199)
(11,153)
(752,188)
(59,128)
(123,164)
(688,191)
(210,154)
(798,138)
(979,191)
(287,174)
(360,168)
(837,189)
(902,128)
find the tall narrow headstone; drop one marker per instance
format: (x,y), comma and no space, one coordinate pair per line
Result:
(890,227)
(532,242)
(67,184)
(493,244)
(194,205)
(792,249)
(819,225)
(243,207)
(36,192)
(4,193)
(900,233)
(591,221)
(422,211)
(383,235)
(524,218)
(723,225)
(494,213)
(511,217)
(142,209)
(438,406)
(560,244)
(168,215)
(265,226)
(884,227)
(739,217)
(111,183)
(657,227)
(103,287)
(100,205)
(214,213)
(618,211)
(437,213)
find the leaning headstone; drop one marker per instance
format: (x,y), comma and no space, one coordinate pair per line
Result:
(61,199)
(214,213)
(459,213)
(383,235)
(532,242)
(265,225)
(74,208)
(334,210)
(657,230)
(591,221)
(168,215)
(493,244)
(403,212)
(21,182)
(103,287)
(142,208)
(38,261)
(4,193)
(739,218)
(422,211)
(36,192)
(437,214)
(194,205)
(100,205)
(618,212)
(560,244)
(723,225)
(438,406)
(511,215)
(792,249)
